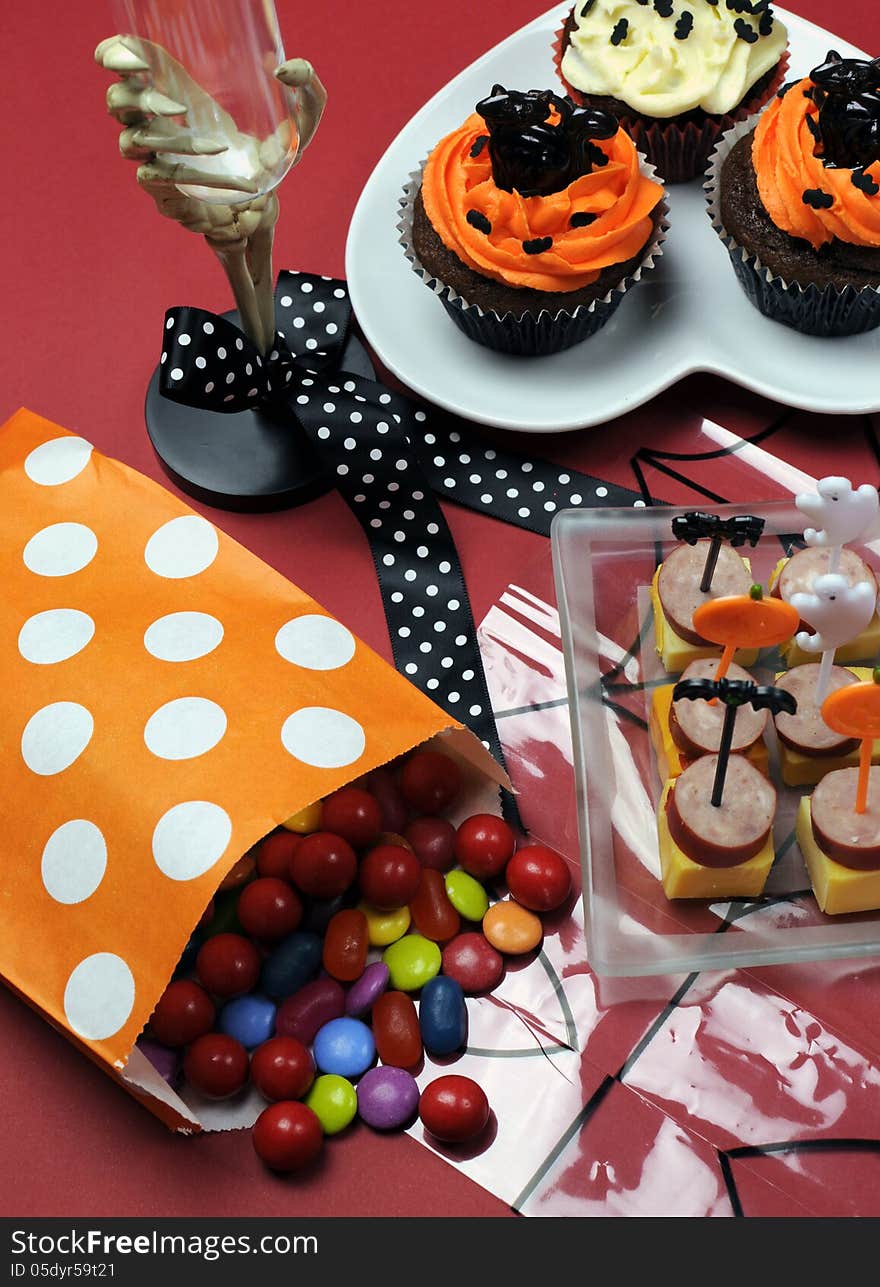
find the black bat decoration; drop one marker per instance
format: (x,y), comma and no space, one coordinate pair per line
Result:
(696,525)
(734,693)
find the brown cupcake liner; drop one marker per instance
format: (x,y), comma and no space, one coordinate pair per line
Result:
(528,334)
(679,152)
(813,310)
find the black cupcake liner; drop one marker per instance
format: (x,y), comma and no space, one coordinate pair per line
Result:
(528,334)
(813,310)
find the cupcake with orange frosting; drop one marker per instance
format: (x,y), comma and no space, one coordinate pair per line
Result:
(532,220)
(796,198)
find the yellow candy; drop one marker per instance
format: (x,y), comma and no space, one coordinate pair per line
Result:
(306,821)
(385,927)
(511,929)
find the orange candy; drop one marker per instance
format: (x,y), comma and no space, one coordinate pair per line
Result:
(511,929)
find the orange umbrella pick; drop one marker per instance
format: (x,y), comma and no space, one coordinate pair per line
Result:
(745,621)
(855,712)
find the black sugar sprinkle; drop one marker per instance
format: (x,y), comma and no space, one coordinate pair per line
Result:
(478,145)
(618,35)
(781,92)
(765,26)
(478,220)
(744,31)
(865,183)
(596,155)
(818,199)
(685,25)
(663,8)
(582,219)
(537,245)
(587,7)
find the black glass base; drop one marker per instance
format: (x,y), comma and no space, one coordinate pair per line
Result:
(249,461)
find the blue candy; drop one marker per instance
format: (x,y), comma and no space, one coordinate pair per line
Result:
(291,964)
(443,1016)
(250,1019)
(345,1047)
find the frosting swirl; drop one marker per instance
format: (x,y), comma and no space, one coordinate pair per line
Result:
(803,196)
(557,242)
(671,56)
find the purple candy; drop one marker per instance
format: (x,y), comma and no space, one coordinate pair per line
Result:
(368,988)
(165,1061)
(387,1097)
(304,1013)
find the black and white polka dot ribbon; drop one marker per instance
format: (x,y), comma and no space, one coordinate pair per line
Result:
(391,460)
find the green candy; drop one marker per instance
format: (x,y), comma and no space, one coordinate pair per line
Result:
(467,895)
(333,1100)
(412,961)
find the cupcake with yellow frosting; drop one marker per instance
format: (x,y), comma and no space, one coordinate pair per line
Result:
(531,221)
(677,73)
(796,198)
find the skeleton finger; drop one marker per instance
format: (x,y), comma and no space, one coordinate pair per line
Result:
(116,56)
(161,172)
(144,140)
(130,104)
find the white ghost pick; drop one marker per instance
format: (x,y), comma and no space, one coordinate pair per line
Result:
(840,514)
(838,612)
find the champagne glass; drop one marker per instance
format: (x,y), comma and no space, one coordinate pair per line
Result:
(218,59)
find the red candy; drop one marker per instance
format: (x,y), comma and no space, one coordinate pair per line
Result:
(228,965)
(432,913)
(433,841)
(454,1109)
(473,962)
(323,865)
(216,1065)
(268,908)
(287,1136)
(313,1005)
(238,874)
(353,814)
(346,943)
(483,845)
(396,1030)
(382,785)
(183,1012)
(430,781)
(273,854)
(538,878)
(282,1068)
(389,877)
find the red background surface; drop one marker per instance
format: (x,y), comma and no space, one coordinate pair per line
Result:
(89,269)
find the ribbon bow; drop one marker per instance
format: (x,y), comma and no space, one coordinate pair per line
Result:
(389,459)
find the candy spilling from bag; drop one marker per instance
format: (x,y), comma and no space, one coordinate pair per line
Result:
(170,702)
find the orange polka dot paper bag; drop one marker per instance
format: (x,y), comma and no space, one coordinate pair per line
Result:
(168,699)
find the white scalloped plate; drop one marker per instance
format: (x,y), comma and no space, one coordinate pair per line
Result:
(689,315)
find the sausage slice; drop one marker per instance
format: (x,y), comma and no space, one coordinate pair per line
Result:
(679,584)
(806,731)
(696,726)
(732,832)
(850,838)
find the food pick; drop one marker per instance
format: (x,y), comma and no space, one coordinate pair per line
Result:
(840,514)
(734,693)
(838,612)
(696,525)
(855,712)
(745,621)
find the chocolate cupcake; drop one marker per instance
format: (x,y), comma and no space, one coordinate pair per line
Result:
(677,73)
(532,220)
(796,199)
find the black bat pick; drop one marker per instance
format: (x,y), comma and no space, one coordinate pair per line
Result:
(696,525)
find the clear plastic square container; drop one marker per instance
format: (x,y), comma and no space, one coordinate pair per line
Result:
(604,560)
